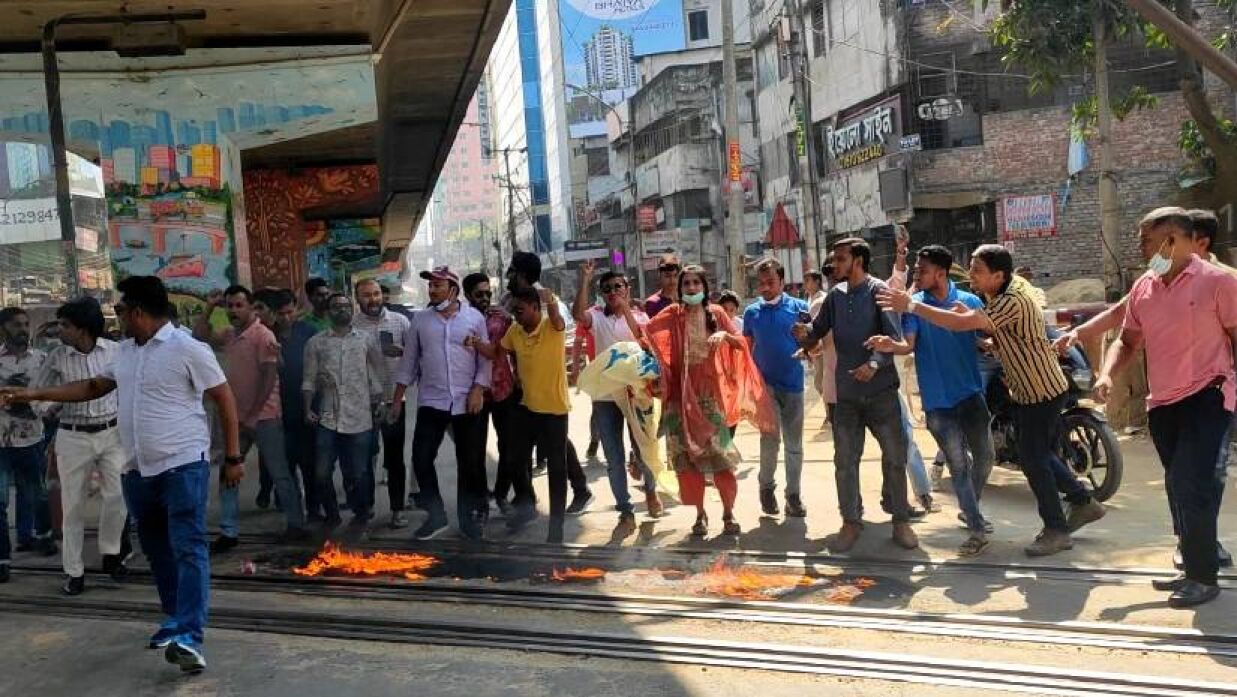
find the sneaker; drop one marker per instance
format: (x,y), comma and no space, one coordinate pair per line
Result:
(1193,593)
(114,566)
(580,502)
(768,502)
(223,543)
(399,521)
(929,506)
(520,516)
(904,536)
(74,585)
(730,527)
(795,507)
(163,637)
(625,528)
(701,527)
(1084,514)
(187,657)
(1049,542)
(1169,585)
(974,545)
(935,476)
(846,537)
(591,452)
(431,529)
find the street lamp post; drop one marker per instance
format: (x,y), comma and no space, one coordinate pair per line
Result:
(631,172)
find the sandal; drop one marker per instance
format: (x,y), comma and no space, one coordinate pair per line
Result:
(974,545)
(701,528)
(730,527)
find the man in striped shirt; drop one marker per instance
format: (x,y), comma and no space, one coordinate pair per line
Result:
(1036,384)
(87,440)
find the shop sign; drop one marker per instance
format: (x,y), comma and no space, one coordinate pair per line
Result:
(646,218)
(736,161)
(1026,217)
(864,138)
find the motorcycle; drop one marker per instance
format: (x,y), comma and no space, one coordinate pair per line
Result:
(1088,444)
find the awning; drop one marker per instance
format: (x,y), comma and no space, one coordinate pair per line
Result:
(782,232)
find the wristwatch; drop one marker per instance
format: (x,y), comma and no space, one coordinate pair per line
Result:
(874,365)
(233,460)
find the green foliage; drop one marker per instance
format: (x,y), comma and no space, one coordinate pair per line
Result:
(1191,142)
(1085,113)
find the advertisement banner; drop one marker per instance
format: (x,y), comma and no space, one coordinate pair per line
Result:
(29,220)
(1027,217)
(601,39)
(736,161)
(646,218)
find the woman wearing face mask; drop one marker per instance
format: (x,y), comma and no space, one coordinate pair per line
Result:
(709,382)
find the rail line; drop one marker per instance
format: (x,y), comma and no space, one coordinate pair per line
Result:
(1117,636)
(1041,680)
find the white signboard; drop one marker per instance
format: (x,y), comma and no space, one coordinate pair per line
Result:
(29,220)
(613,9)
(658,243)
(1026,217)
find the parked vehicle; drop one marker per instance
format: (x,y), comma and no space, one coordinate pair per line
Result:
(1088,444)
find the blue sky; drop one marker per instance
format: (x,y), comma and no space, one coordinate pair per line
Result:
(659,28)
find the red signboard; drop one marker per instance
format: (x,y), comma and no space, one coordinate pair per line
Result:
(736,161)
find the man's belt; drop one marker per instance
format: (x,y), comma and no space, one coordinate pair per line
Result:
(88,428)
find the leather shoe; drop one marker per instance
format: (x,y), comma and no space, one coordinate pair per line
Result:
(1168,585)
(74,585)
(114,566)
(846,537)
(904,536)
(1193,593)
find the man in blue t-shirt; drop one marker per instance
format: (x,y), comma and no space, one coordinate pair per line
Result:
(950,386)
(767,323)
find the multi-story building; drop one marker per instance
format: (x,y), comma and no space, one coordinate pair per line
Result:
(608,59)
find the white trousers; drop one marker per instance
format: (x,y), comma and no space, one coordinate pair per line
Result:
(77,456)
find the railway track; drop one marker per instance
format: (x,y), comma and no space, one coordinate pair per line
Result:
(781,658)
(1117,636)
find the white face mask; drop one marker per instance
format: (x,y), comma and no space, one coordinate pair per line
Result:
(773,302)
(694,298)
(1160,264)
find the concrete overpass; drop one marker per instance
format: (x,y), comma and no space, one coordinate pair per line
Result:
(428,56)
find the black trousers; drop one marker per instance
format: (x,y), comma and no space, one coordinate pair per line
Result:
(393,461)
(299,442)
(1188,435)
(504,416)
(471,492)
(548,434)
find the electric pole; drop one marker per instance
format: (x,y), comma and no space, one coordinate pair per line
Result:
(1110,204)
(808,173)
(510,199)
(734,154)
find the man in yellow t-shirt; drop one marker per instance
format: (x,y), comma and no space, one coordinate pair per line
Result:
(538,343)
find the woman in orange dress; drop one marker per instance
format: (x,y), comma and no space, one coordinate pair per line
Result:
(709,383)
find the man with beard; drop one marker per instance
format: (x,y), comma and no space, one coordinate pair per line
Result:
(387,329)
(161,375)
(341,393)
(87,441)
(502,397)
(251,364)
(441,359)
(317,294)
(22,451)
(867,392)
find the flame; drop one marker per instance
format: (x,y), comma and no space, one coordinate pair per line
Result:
(749,584)
(570,575)
(333,558)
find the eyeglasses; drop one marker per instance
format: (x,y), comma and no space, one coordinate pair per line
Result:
(483,294)
(613,287)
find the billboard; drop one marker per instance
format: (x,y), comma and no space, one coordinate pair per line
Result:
(601,40)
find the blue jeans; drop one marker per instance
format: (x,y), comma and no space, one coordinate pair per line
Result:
(962,433)
(352,451)
(268,436)
(920,484)
(610,427)
(790,428)
(26,468)
(170,512)
(879,413)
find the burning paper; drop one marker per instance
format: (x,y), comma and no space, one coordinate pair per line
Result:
(342,562)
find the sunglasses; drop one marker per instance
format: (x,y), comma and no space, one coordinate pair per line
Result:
(669,269)
(613,287)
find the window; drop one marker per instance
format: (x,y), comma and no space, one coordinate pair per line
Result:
(698,25)
(820,37)
(843,20)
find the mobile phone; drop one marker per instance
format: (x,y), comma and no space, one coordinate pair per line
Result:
(805,318)
(901,234)
(386,338)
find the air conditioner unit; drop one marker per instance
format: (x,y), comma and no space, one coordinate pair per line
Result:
(144,40)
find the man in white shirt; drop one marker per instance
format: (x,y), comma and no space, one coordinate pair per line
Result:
(386,329)
(87,440)
(160,375)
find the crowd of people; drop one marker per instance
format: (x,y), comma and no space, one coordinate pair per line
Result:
(146,420)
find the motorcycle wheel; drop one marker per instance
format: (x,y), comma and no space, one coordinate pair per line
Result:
(1090,450)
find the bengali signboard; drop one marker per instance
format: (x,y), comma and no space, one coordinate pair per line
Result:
(29,220)
(868,135)
(601,40)
(1027,217)
(577,251)
(736,161)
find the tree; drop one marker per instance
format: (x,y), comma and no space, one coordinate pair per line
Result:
(1050,39)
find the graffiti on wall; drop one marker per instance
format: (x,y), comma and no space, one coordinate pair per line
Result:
(285,249)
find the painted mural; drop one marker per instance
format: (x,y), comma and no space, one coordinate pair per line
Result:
(339,250)
(286,250)
(169,143)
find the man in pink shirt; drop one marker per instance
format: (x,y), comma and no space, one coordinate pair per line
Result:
(251,364)
(1183,311)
